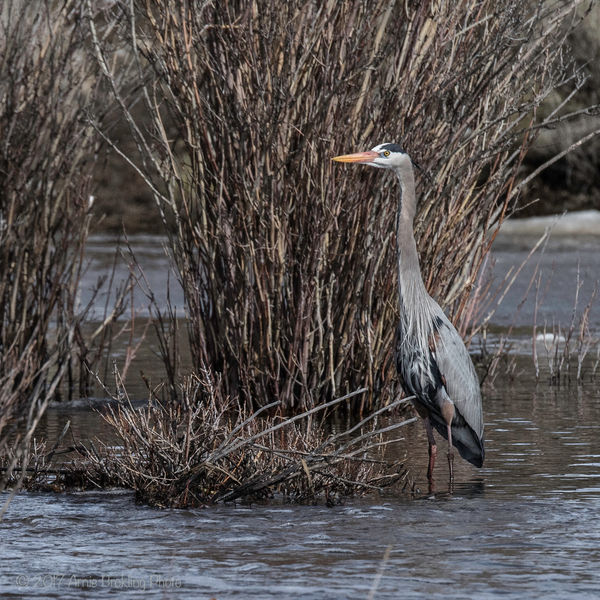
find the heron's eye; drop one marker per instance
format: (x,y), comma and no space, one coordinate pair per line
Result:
(386,153)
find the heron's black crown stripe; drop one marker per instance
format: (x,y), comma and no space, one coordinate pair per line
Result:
(393,148)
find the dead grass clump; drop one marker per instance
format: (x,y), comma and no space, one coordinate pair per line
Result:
(563,350)
(203,450)
(288,269)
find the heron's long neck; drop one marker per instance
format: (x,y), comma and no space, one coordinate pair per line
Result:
(410,282)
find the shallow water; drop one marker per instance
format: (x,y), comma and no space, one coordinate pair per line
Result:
(559,261)
(562,264)
(525,526)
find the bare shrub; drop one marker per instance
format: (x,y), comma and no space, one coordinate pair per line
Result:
(288,269)
(47,87)
(204,449)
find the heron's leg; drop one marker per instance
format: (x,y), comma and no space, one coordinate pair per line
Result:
(450,453)
(432,447)
(448,414)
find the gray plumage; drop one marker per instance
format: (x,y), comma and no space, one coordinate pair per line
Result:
(431,358)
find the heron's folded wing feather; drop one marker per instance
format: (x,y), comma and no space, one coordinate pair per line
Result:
(460,378)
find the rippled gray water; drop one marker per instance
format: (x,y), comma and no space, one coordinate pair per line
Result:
(526,526)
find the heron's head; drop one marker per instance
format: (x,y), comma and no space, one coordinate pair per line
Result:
(384,156)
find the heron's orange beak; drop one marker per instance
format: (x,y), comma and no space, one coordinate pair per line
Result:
(359,157)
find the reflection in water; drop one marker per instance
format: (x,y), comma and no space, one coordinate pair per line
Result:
(523,526)
(466,489)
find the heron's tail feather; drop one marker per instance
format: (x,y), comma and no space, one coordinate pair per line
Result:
(469,445)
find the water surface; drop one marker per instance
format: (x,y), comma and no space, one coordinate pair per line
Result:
(525,526)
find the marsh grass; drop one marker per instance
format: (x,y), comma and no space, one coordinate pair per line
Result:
(562,352)
(565,349)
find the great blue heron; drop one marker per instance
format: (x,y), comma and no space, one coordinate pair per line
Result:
(431,358)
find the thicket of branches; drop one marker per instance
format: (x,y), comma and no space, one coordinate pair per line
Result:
(47,148)
(201,450)
(288,266)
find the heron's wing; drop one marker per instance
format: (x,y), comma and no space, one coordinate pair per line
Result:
(458,373)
